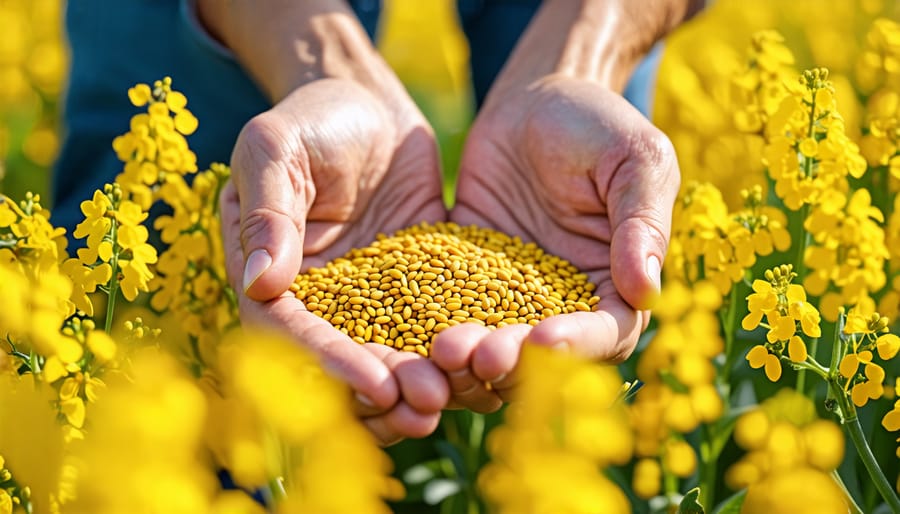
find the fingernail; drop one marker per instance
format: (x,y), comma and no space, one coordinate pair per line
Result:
(561,347)
(364,400)
(653,271)
(258,262)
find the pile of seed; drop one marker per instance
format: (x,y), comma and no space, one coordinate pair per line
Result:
(402,290)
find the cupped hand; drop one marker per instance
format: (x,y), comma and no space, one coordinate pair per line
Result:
(325,170)
(572,166)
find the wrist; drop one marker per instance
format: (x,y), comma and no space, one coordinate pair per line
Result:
(600,41)
(287,44)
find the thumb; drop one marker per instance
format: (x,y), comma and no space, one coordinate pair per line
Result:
(641,196)
(274,197)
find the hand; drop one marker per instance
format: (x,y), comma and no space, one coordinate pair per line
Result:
(325,170)
(569,164)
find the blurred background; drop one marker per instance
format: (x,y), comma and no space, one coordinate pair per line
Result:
(424,44)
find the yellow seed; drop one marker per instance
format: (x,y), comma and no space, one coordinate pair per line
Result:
(403,289)
(581,306)
(492,319)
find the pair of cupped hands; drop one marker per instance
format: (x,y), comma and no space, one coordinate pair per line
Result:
(563,162)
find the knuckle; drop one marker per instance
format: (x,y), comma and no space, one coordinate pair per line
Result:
(257,223)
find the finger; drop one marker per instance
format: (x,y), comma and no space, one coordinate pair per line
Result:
(452,351)
(401,422)
(342,357)
(422,385)
(275,192)
(609,333)
(641,196)
(452,348)
(497,354)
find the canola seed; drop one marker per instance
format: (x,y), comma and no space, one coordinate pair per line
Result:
(404,289)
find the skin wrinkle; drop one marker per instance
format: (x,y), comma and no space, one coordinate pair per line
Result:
(502,194)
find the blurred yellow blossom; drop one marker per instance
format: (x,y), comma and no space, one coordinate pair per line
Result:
(788,449)
(308,439)
(541,465)
(31,442)
(155,417)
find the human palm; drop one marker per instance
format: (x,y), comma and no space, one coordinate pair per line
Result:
(573,167)
(325,170)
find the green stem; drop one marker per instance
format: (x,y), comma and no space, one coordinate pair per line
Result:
(476,436)
(708,469)
(729,329)
(854,430)
(854,508)
(114,278)
(805,240)
(801,374)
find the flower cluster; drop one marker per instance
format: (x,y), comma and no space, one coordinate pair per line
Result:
(155,150)
(867,334)
(790,454)
(547,456)
(191,280)
(759,88)
(708,241)
(304,446)
(807,152)
(879,74)
(785,308)
(891,420)
(679,391)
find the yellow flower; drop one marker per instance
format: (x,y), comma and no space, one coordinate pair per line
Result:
(781,327)
(809,147)
(824,444)
(30,438)
(139,95)
(891,420)
(864,388)
(95,225)
(679,458)
(155,417)
(646,478)
(759,356)
(888,345)
(534,469)
(751,431)
(311,437)
(6,502)
(795,491)
(85,281)
(797,349)
(762,301)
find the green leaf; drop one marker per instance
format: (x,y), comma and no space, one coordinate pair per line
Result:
(690,504)
(732,504)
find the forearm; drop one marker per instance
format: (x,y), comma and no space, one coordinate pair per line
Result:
(284,44)
(597,40)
